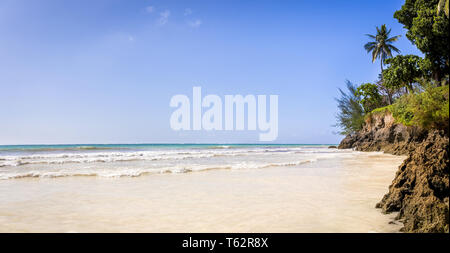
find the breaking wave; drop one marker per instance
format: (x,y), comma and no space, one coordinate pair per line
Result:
(133,163)
(135,172)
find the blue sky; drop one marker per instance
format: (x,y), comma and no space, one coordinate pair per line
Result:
(104,71)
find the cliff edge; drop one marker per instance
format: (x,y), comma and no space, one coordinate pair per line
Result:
(420,189)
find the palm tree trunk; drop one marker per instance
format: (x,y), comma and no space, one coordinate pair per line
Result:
(381,65)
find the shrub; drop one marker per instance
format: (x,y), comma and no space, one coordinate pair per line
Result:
(429,109)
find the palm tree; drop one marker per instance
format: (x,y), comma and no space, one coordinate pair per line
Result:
(381,46)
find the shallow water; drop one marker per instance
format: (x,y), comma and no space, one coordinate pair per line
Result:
(221,189)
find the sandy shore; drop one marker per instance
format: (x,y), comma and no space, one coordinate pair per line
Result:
(335,195)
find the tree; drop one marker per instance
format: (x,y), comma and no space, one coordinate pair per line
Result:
(370,97)
(350,117)
(387,93)
(381,46)
(402,72)
(428,30)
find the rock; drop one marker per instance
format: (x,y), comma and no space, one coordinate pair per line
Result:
(420,189)
(332,147)
(348,141)
(381,133)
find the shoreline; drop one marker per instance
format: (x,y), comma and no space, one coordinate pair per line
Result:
(313,197)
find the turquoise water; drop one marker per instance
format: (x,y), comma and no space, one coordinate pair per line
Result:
(111,160)
(10,149)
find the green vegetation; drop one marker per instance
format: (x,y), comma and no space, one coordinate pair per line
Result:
(369,96)
(379,111)
(402,72)
(428,30)
(429,109)
(351,113)
(443,6)
(414,89)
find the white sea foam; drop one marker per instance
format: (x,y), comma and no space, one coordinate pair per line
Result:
(266,190)
(118,163)
(134,172)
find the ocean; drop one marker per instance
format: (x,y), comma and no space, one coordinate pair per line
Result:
(116,160)
(193,188)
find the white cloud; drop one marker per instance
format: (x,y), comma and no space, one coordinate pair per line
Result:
(163,17)
(150,9)
(187,11)
(195,23)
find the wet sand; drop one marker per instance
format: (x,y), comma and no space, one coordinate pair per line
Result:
(334,195)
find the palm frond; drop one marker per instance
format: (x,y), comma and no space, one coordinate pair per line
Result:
(443,5)
(392,39)
(387,52)
(374,55)
(369,46)
(381,46)
(391,47)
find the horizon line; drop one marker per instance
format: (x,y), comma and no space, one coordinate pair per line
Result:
(165,143)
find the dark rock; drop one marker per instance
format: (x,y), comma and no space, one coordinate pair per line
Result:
(332,147)
(420,189)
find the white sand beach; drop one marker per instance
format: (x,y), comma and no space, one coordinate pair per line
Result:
(334,191)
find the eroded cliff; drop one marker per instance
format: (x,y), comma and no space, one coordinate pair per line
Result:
(420,189)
